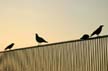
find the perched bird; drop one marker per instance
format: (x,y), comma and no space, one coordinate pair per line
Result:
(97,31)
(40,39)
(85,36)
(9,46)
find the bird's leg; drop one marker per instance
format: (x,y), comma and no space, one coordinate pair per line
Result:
(39,44)
(97,35)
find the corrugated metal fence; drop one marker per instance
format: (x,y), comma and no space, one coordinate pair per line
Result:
(78,55)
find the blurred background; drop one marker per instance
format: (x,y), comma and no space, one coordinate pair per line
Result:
(54,20)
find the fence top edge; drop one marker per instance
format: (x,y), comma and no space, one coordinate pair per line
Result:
(55,43)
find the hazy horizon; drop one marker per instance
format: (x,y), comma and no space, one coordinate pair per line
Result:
(54,20)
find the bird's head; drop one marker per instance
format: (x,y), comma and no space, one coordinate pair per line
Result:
(36,34)
(101,25)
(13,43)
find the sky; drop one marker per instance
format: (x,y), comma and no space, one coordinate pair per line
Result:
(54,20)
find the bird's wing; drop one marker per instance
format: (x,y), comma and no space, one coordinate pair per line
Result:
(42,39)
(95,31)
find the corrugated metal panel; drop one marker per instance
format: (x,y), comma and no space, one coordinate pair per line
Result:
(87,55)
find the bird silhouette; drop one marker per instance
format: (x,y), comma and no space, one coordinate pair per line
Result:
(84,37)
(97,31)
(9,46)
(40,39)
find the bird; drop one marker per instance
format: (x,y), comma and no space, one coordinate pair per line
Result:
(9,46)
(84,37)
(97,31)
(40,39)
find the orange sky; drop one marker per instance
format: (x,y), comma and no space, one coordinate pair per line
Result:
(55,20)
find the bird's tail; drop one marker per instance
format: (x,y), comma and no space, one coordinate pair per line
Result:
(91,34)
(46,41)
(5,49)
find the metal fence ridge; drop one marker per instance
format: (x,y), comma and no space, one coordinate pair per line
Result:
(72,55)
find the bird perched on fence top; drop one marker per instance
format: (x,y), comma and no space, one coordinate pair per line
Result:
(97,31)
(85,36)
(9,46)
(40,39)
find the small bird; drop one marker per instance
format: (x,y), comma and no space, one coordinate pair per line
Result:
(40,39)
(84,37)
(9,46)
(97,31)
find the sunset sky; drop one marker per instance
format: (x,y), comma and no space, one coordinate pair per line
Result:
(54,20)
